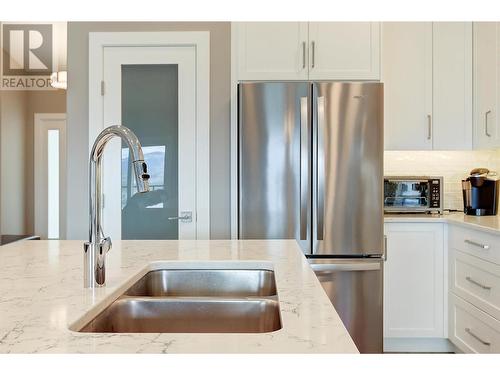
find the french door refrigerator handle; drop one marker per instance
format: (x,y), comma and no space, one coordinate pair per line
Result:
(384,256)
(320,175)
(304,166)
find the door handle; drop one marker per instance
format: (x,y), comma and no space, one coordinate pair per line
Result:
(469,331)
(384,257)
(313,52)
(185,217)
(474,243)
(320,173)
(486,123)
(303,55)
(304,166)
(429,127)
(477,283)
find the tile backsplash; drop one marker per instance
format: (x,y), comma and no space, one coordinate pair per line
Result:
(452,165)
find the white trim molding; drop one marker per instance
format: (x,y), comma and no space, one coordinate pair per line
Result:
(200,40)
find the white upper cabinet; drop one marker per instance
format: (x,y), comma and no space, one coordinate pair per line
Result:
(301,50)
(486,84)
(344,50)
(407,77)
(452,86)
(271,50)
(427,74)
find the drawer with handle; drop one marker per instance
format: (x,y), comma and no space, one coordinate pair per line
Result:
(472,330)
(475,242)
(476,281)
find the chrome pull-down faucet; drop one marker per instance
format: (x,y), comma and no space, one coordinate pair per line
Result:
(94,263)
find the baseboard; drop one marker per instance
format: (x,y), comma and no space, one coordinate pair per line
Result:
(419,345)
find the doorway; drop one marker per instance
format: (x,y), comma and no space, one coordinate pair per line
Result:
(159,91)
(50,174)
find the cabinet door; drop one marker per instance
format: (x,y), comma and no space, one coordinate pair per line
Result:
(452,86)
(271,50)
(344,50)
(407,77)
(414,280)
(486,83)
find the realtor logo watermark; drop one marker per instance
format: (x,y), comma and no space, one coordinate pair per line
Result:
(27,56)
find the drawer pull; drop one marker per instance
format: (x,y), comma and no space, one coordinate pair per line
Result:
(482,246)
(471,280)
(468,330)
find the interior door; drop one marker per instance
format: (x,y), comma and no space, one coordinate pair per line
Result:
(152,91)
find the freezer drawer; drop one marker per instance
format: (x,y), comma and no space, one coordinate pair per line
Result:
(355,287)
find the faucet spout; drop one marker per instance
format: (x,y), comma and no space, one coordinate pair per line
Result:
(98,245)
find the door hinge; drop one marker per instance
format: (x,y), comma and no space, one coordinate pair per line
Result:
(102,88)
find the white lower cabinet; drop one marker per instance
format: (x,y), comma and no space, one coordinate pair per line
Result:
(414,285)
(474,298)
(472,330)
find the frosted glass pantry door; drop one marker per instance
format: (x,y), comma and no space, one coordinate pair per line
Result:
(152,91)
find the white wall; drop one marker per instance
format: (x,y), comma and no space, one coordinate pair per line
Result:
(452,165)
(13,162)
(17,160)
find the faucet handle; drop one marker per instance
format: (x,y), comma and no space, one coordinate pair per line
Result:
(105,245)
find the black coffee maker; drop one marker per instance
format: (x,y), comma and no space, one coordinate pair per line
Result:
(480,192)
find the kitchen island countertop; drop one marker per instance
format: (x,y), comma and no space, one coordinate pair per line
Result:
(42,295)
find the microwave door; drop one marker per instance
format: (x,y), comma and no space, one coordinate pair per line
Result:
(412,194)
(347,169)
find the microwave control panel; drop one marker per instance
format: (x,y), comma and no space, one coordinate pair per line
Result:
(435,193)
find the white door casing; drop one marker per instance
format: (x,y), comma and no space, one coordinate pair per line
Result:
(43,123)
(190,50)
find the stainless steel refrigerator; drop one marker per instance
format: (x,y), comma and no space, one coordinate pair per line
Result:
(310,167)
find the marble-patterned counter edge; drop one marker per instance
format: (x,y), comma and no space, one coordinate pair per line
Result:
(489,224)
(42,297)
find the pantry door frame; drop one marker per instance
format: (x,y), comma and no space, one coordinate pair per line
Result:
(200,40)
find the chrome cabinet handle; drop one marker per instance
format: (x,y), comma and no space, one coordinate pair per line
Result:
(186,217)
(320,175)
(471,280)
(303,55)
(482,246)
(304,167)
(469,331)
(313,45)
(486,123)
(429,127)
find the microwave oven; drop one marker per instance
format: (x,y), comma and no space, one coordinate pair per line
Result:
(415,194)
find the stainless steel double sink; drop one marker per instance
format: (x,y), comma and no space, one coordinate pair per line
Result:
(194,301)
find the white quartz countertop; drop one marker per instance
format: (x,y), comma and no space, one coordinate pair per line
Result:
(42,294)
(485,223)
